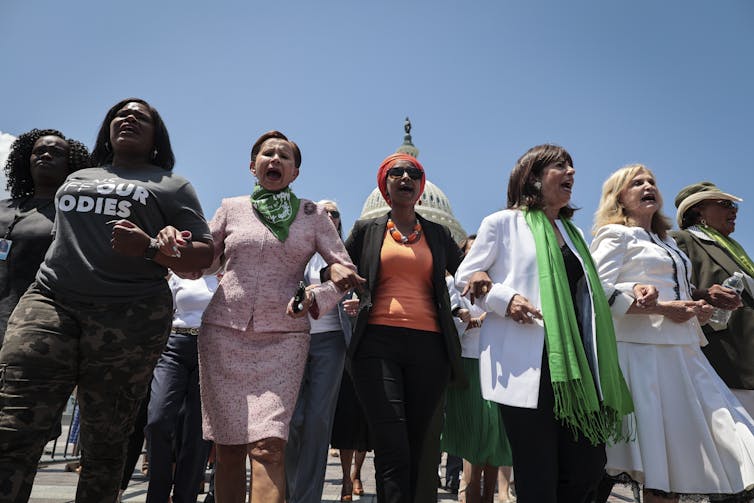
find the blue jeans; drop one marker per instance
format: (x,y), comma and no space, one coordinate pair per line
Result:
(174,418)
(311,424)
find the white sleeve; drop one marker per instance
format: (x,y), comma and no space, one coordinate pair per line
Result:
(482,255)
(609,252)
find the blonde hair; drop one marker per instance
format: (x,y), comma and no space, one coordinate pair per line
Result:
(612,211)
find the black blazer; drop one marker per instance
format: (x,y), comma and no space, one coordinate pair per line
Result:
(365,244)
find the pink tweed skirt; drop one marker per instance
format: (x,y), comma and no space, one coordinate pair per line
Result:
(249,383)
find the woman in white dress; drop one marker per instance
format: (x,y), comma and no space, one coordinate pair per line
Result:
(692,435)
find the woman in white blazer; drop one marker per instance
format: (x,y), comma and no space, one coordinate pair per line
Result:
(545,356)
(692,435)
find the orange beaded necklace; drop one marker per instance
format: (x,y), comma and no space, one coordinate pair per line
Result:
(411,238)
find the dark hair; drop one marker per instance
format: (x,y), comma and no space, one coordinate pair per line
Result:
(18,166)
(692,216)
(528,170)
(103,152)
(280,136)
(465,242)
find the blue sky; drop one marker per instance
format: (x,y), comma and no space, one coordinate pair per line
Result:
(666,83)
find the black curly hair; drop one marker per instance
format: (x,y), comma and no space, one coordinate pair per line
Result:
(103,152)
(18,167)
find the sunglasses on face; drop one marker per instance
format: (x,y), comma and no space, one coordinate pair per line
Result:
(727,204)
(413,173)
(333,213)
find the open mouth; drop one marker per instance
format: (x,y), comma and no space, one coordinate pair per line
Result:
(273,174)
(406,188)
(127,129)
(649,198)
(568,186)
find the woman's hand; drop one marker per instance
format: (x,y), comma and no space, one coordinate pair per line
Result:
(478,286)
(680,311)
(169,238)
(345,278)
(722,297)
(704,312)
(351,307)
(645,295)
(521,310)
(306,304)
(464,315)
(128,239)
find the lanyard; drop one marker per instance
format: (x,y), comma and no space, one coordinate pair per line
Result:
(19,214)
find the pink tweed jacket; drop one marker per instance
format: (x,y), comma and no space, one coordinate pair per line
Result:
(262,274)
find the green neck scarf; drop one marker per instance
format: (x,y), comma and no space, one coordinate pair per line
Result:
(576,401)
(731,246)
(277,210)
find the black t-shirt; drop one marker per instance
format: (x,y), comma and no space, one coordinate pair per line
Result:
(81,264)
(31,237)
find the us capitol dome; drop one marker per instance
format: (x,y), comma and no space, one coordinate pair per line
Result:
(434,203)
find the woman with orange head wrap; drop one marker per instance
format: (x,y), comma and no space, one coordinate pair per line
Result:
(404,350)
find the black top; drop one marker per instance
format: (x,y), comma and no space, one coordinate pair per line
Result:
(31,234)
(575,273)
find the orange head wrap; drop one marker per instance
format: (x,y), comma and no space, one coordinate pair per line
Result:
(388,163)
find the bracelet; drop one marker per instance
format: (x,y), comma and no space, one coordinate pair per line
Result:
(152,249)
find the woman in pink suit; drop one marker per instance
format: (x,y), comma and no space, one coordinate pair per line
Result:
(253,349)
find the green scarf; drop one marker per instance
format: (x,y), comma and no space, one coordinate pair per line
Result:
(731,246)
(576,400)
(277,210)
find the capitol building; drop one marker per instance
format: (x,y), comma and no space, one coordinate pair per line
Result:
(434,203)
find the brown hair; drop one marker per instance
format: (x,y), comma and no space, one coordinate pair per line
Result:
(522,191)
(276,134)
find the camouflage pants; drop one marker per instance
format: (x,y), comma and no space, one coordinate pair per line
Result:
(52,345)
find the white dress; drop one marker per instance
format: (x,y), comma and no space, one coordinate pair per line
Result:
(692,434)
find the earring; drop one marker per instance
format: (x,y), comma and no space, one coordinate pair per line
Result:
(702,221)
(154,154)
(107,146)
(538,185)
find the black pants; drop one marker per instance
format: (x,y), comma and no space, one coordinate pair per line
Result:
(400,376)
(551,466)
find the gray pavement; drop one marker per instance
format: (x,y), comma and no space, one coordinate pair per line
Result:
(54,484)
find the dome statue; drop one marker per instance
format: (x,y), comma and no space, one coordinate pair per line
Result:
(434,206)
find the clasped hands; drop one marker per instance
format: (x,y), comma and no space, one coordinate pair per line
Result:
(129,239)
(677,311)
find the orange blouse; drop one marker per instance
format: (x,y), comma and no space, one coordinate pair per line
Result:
(404,288)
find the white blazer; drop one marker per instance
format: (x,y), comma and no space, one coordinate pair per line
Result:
(510,357)
(626,256)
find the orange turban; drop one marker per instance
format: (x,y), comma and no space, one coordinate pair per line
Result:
(388,163)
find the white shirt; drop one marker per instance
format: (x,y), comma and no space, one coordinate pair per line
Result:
(190,299)
(329,321)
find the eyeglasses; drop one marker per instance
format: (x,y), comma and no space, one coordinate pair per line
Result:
(727,204)
(413,173)
(333,213)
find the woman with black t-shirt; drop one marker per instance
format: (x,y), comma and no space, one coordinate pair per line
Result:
(38,162)
(100,310)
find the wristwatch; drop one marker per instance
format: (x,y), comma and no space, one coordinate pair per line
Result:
(152,249)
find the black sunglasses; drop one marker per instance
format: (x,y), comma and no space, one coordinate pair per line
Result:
(413,173)
(728,204)
(333,213)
